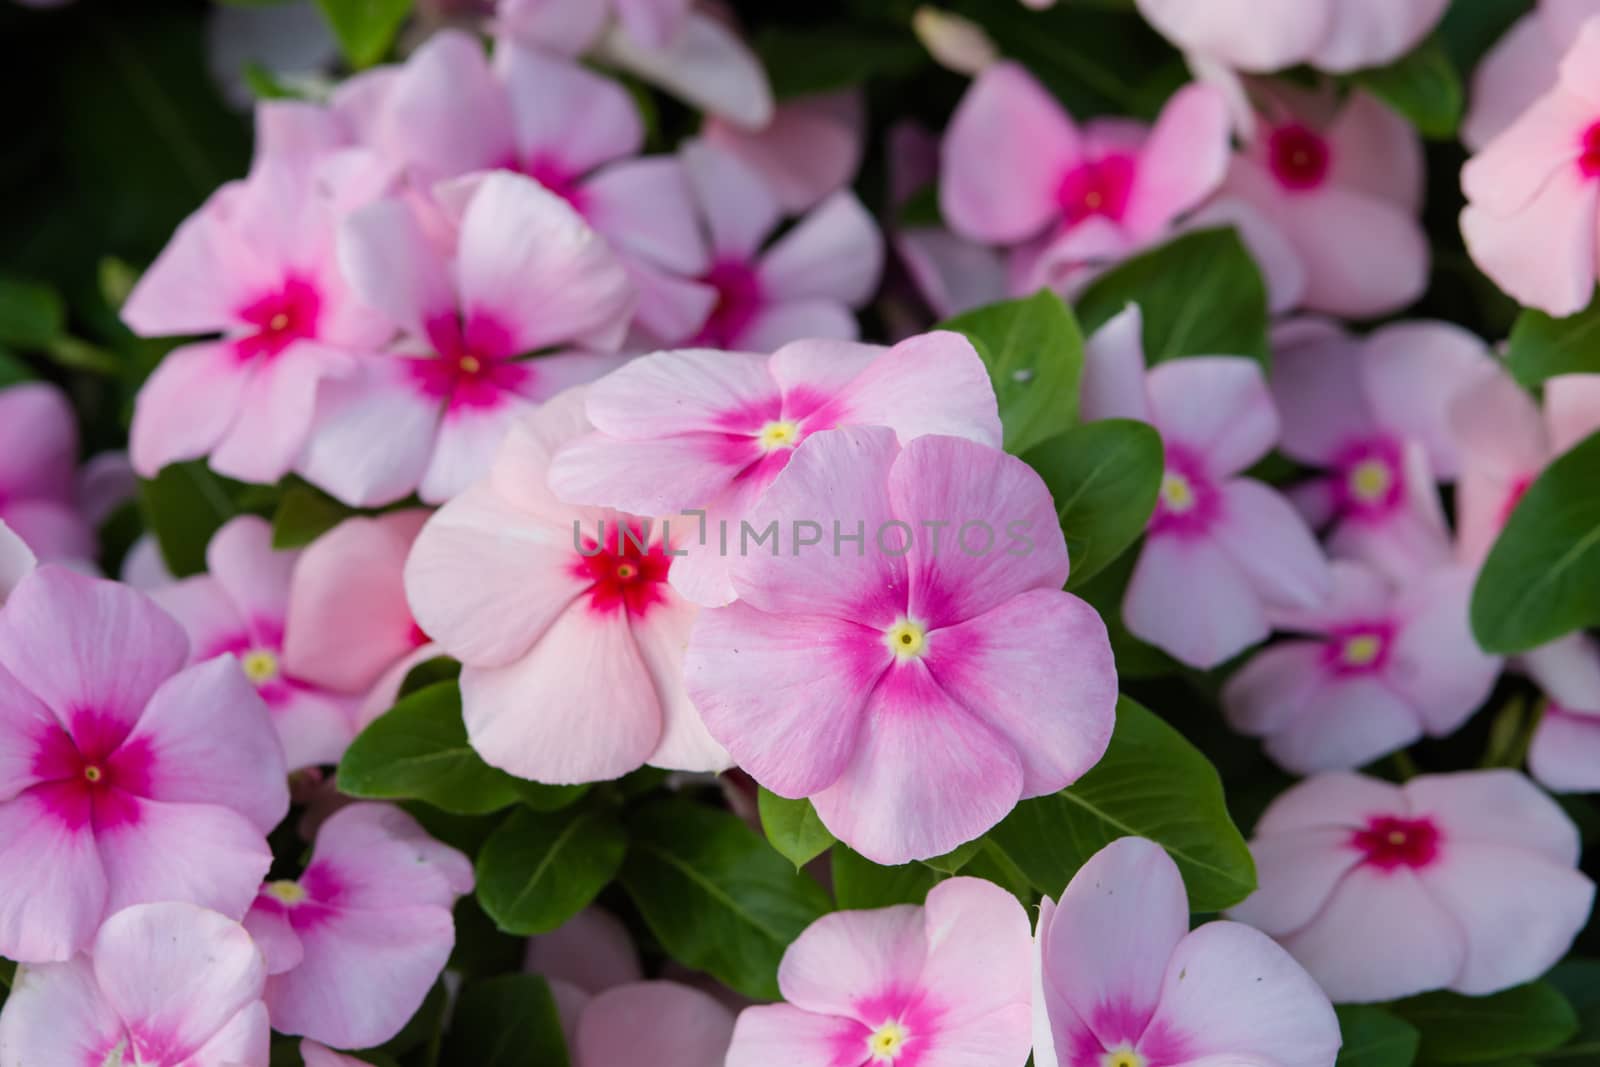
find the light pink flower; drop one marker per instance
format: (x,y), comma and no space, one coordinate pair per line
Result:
(1341,182)
(711,430)
(943,983)
(1565,753)
(1331,35)
(803,285)
(919,683)
(811,149)
(1221,552)
(1379,665)
(238,609)
(316,1055)
(1015,166)
(1532,220)
(1522,67)
(590,953)
(570,636)
(38,467)
(665,1024)
(1355,407)
(164,985)
(125,778)
(256,264)
(1459,881)
(1122,980)
(527,274)
(16,560)
(348,628)
(355,943)
(1505,441)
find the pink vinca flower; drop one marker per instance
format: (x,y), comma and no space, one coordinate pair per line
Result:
(163,985)
(238,609)
(1505,441)
(803,286)
(1462,881)
(255,264)
(810,150)
(16,560)
(1015,166)
(570,635)
(348,628)
(920,681)
(711,430)
(1122,981)
(909,986)
(1358,408)
(1331,35)
(1532,220)
(317,1055)
(576,132)
(1341,183)
(1521,67)
(117,761)
(355,943)
(527,274)
(1222,552)
(666,1024)
(1565,752)
(1378,666)
(38,467)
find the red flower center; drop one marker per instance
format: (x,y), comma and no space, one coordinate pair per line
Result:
(476,365)
(1589,159)
(1299,156)
(1391,842)
(626,572)
(280,319)
(738,300)
(556,178)
(1099,188)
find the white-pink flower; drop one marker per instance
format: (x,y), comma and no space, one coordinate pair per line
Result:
(16,560)
(1222,551)
(709,430)
(810,150)
(38,473)
(525,274)
(1331,35)
(917,681)
(947,982)
(355,943)
(125,778)
(1462,881)
(1521,67)
(163,985)
(570,636)
(1121,980)
(1564,754)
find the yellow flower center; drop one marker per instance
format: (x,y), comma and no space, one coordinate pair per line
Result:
(1361,650)
(260,666)
(91,773)
(886,1042)
(279,322)
(470,364)
(906,638)
(1122,1057)
(780,433)
(1370,480)
(1177,494)
(285,891)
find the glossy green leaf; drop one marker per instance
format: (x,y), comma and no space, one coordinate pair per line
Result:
(1520,1021)
(1543,347)
(507,1021)
(793,828)
(1034,353)
(183,506)
(715,895)
(1423,86)
(1150,783)
(365,29)
(1104,477)
(1542,577)
(305,514)
(537,870)
(1375,1038)
(860,883)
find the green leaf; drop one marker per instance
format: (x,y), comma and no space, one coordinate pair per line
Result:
(1200,295)
(800,61)
(305,514)
(418,750)
(1374,1038)
(537,870)
(860,883)
(793,828)
(31,316)
(1150,783)
(1105,477)
(1456,1029)
(715,895)
(1034,353)
(183,506)
(1542,347)
(1423,86)
(507,1021)
(1542,578)
(956,859)
(13,370)
(365,29)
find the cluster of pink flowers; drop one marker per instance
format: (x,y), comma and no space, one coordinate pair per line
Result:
(596,420)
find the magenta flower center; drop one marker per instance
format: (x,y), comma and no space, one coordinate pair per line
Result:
(1100,188)
(1390,842)
(624,574)
(1369,479)
(557,178)
(90,775)
(739,299)
(1359,649)
(1188,502)
(476,365)
(280,319)
(1299,156)
(1589,158)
